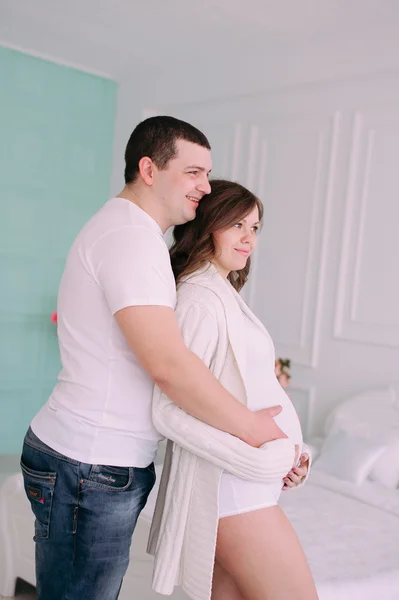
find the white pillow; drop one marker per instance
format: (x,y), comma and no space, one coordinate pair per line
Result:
(368,414)
(348,457)
(386,468)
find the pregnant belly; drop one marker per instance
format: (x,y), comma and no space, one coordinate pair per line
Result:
(288,419)
(288,422)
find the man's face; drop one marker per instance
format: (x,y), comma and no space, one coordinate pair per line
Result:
(184,182)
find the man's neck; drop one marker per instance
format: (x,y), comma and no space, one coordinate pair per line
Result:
(143,200)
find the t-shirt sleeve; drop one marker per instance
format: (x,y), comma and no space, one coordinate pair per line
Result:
(132,266)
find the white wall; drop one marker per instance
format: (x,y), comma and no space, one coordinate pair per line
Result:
(300,104)
(323,157)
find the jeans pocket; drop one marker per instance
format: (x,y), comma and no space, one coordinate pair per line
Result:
(39,488)
(106,478)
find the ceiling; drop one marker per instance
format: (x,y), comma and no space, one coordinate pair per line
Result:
(126,38)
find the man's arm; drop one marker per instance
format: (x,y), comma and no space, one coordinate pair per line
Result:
(269,463)
(153,335)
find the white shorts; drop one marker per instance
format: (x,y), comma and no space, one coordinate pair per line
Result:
(238,496)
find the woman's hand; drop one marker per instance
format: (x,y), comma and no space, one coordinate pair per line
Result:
(297,474)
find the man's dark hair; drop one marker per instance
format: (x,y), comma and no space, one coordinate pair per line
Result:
(156,138)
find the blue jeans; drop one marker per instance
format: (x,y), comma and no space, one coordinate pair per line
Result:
(85,518)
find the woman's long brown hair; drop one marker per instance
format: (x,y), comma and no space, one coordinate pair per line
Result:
(193,246)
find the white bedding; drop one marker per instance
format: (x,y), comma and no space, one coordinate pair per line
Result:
(350,535)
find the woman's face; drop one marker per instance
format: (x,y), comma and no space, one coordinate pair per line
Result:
(234,245)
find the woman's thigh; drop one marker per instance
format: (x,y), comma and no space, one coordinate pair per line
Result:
(262,553)
(223,586)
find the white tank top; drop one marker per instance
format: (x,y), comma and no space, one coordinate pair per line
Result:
(237,495)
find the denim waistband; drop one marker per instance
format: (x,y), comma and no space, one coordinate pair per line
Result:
(32,440)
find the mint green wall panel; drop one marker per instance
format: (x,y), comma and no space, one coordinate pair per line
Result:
(56,136)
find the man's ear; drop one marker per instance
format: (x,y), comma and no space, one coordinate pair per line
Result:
(146,170)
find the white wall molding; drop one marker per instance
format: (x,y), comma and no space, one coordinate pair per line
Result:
(303,398)
(304,348)
(325,272)
(370,241)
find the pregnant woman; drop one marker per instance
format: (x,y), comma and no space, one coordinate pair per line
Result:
(218,530)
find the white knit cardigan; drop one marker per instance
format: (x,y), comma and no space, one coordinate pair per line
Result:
(184,527)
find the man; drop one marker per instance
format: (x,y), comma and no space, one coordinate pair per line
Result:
(88,457)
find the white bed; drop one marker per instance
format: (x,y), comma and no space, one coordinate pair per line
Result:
(350,536)
(350,533)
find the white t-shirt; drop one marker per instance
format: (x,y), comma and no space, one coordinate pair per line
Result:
(100,409)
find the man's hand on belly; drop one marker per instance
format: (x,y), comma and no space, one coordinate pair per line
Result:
(264,427)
